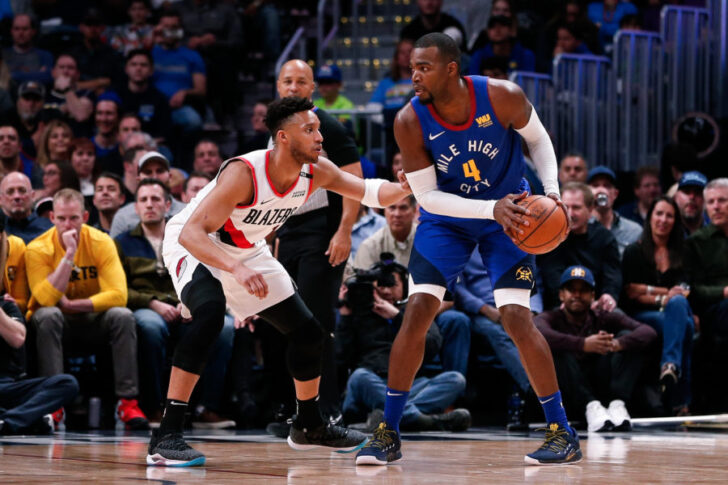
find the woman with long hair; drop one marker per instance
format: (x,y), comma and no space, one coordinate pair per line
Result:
(656,294)
(83,162)
(54,143)
(57,175)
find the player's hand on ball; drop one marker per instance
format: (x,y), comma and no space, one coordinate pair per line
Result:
(250,280)
(509,215)
(561,204)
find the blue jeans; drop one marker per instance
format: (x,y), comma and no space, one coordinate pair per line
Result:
(187,118)
(154,333)
(675,325)
(26,401)
(455,330)
(365,391)
(504,348)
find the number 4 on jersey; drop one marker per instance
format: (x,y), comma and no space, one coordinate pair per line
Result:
(470,170)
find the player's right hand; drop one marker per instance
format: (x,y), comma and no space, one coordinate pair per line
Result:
(250,280)
(510,215)
(70,240)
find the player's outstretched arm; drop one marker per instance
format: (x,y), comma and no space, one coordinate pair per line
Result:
(371,192)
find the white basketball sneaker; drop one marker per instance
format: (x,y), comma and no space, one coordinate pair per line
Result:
(619,416)
(597,418)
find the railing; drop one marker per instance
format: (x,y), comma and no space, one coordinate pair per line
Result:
(539,89)
(367,122)
(636,128)
(292,44)
(719,59)
(581,85)
(323,39)
(684,33)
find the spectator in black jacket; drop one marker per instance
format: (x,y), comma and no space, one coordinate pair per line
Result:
(588,244)
(364,340)
(596,353)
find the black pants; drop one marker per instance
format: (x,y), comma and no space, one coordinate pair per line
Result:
(596,377)
(26,401)
(302,254)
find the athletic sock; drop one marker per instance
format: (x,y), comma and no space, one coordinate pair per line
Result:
(308,414)
(553,408)
(394,404)
(173,419)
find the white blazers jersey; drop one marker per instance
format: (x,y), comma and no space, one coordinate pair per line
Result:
(249,224)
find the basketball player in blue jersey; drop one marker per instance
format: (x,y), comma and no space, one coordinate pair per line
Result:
(461,153)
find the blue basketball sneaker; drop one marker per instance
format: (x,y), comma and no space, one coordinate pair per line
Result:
(383,448)
(560,447)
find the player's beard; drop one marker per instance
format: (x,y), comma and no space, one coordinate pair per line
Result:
(425,98)
(301,155)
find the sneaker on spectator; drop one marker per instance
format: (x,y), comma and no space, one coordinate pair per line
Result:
(59,419)
(207,419)
(668,376)
(128,412)
(619,416)
(44,425)
(598,418)
(374,417)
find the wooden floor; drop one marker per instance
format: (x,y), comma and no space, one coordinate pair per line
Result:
(480,456)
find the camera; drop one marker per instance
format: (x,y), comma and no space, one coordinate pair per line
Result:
(360,287)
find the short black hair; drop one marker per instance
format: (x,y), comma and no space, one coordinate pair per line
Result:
(281,110)
(447,47)
(140,52)
(112,176)
(151,181)
(195,174)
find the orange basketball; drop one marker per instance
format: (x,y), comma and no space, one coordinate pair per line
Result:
(547,225)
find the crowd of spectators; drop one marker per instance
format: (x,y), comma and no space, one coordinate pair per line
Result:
(102,139)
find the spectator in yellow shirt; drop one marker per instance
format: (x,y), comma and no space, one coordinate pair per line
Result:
(78,300)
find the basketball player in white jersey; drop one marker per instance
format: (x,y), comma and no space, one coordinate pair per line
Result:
(216,252)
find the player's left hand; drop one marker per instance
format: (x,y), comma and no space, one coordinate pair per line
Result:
(561,204)
(339,248)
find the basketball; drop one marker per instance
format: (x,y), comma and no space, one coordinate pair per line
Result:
(547,225)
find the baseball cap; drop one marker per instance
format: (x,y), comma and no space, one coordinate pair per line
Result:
(33,88)
(43,205)
(152,156)
(328,73)
(693,179)
(601,170)
(577,273)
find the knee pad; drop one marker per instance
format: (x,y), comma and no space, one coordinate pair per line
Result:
(305,347)
(194,348)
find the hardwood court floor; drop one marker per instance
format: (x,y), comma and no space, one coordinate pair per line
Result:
(481,456)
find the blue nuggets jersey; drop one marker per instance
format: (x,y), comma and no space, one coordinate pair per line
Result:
(480,159)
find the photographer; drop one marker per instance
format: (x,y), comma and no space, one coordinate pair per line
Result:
(371,314)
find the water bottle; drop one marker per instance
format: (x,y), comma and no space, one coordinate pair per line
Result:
(94,413)
(601,199)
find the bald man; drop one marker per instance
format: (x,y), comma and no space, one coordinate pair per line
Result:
(315,243)
(16,200)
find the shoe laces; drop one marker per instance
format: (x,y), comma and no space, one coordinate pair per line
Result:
(555,438)
(383,437)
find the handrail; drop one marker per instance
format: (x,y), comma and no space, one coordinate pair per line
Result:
(323,40)
(283,58)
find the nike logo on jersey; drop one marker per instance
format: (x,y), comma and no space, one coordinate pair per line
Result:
(432,137)
(266,201)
